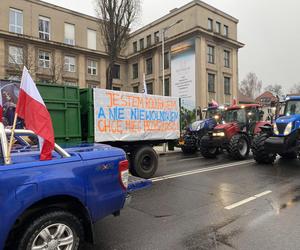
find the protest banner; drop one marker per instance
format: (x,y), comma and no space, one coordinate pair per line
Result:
(125,116)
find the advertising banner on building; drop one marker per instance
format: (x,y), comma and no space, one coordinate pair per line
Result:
(183,79)
(125,116)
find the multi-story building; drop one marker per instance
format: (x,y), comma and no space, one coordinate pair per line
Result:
(63,46)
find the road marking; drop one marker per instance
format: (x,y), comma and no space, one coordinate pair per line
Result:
(252,198)
(198,171)
(191,159)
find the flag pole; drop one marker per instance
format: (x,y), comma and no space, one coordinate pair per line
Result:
(12,135)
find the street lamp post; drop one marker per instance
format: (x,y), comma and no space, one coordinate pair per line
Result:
(163,62)
(163,51)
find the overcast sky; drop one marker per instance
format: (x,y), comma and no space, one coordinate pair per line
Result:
(269,28)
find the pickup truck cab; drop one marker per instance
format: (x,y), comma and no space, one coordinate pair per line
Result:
(54,204)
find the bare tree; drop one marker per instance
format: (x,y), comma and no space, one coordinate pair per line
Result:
(295,89)
(25,57)
(251,86)
(275,89)
(116,18)
(56,71)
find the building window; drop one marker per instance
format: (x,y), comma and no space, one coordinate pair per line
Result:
(92,85)
(116,88)
(44,28)
(167,87)
(44,59)
(134,47)
(91,39)
(210,24)
(16,21)
(210,54)
(116,71)
(227,58)
(71,83)
(92,67)
(135,71)
(69,34)
(226,30)
(218,27)
(149,41)
(156,37)
(227,85)
(135,89)
(149,88)
(142,44)
(70,64)
(15,55)
(167,60)
(211,83)
(149,66)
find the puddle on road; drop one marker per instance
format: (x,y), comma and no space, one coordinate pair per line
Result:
(211,237)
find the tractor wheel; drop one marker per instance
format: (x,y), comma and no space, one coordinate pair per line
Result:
(188,150)
(289,155)
(206,150)
(239,147)
(259,152)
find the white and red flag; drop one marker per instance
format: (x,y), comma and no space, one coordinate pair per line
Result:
(32,109)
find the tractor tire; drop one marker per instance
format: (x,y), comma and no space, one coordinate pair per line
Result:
(239,147)
(289,155)
(144,162)
(206,151)
(189,150)
(259,152)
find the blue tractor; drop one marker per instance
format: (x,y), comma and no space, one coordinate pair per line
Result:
(190,141)
(283,138)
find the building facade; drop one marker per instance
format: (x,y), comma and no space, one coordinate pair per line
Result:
(63,46)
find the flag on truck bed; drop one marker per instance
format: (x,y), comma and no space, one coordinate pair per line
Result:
(32,109)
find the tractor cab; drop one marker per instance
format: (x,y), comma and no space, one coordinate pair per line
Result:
(235,133)
(190,141)
(283,138)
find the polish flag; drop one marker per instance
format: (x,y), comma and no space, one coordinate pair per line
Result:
(32,109)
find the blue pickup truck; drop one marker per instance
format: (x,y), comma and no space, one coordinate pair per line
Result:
(47,205)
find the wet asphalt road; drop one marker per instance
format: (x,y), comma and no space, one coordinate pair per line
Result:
(188,212)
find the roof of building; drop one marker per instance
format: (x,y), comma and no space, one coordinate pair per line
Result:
(176,11)
(244,99)
(266,98)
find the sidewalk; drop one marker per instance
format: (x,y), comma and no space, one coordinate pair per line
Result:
(160,150)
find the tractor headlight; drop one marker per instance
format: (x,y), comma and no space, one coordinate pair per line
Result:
(275,129)
(219,134)
(288,129)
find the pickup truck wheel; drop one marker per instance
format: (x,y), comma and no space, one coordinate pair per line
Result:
(53,230)
(145,162)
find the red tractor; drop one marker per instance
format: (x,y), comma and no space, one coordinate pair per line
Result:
(240,124)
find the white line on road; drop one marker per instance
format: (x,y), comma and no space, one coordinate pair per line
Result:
(198,171)
(191,159)
(252,198)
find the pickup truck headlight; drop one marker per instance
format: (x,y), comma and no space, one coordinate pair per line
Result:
(275,129)
(288,129)
(219,134)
